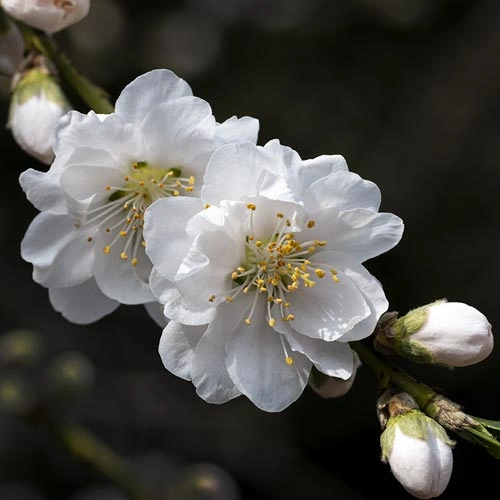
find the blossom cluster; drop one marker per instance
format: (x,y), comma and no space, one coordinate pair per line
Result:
(250,257)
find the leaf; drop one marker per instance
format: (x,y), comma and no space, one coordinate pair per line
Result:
(492,425)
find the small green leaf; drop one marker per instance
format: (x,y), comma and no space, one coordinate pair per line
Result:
(492,425)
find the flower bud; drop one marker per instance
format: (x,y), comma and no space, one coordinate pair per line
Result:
(47,15)
(11,46)
(444,333)
(36,105)
(418,450)
(333,387)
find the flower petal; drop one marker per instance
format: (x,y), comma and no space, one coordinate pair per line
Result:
(180,133)
(174,307)
(46,236)
(165,228)
(370,287)
(255,358)
(332,358)
(83,303)
(177,346)
(208,371)
(155,311)
(118,278)
(327,310)
(237,130)
(258,174)
(147,91)
(361,233)
(344,190)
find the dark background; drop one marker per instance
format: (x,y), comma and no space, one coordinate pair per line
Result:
(409,92)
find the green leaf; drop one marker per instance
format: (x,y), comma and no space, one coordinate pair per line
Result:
(492,425)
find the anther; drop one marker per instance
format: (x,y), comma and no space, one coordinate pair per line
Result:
(272,322)
(106,249)
(248,321)
(251,206)
(123,256)
(211,298)
(289,361)
(311,224)
(134,261)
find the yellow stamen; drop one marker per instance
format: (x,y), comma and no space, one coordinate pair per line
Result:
(289,361)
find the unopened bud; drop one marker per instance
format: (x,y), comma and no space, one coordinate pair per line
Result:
(36,105)
(11,46)
(333,387)
(47,15)
(418,450)
(443,333)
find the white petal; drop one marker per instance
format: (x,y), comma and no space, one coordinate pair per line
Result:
(322,166)
(147,91)
(107,133)
(368,285)
(237,130)
(179,133)
(43,188)
(361,233)
(117,278)
(255,359)
(73,265)
(332,358)
(165,232)
(344,190)
(46,236)
(177,345)
(83,303)
(208,371)
(155,311)
(85,181)
(327,310)
(246,171)
(174,307)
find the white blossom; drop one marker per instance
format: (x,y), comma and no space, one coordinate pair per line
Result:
(47,15)
(419,453)
(86,245)
(265,278)
(446,333)
(36,106)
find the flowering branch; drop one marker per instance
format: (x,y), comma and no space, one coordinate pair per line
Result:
(448,413)
(95,97)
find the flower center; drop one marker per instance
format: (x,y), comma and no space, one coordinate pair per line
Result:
(122,213)
(275,268)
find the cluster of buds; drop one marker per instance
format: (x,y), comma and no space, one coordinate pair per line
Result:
(417,448)
(450,334)
(443,333)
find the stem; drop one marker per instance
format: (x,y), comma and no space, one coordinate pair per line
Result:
(82,444)
(390,375)
(95,97)
(446,412)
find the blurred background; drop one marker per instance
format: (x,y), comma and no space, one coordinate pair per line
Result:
(409,92)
